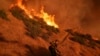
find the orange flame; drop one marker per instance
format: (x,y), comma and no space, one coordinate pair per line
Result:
(49,19)
(19,3)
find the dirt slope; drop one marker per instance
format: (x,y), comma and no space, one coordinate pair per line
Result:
(14,42)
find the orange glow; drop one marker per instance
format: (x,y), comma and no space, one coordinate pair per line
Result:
(19,3)
(49,19)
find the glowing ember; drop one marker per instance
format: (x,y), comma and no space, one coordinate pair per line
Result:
(49,19)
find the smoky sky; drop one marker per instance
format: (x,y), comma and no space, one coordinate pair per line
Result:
(83,15)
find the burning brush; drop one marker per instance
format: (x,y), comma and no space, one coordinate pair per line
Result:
(49,19)
(40,24)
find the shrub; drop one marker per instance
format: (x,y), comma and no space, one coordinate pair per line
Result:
(35,27)
(3,14)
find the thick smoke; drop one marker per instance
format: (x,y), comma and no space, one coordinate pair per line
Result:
(4,4)
(82,15)
(90,22)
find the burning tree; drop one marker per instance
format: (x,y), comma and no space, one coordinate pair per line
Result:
(40,24)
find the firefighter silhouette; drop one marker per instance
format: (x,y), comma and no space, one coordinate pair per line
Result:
(53,48)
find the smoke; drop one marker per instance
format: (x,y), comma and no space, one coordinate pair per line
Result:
(82,15)
(90,22)
(66,12)
(4,4)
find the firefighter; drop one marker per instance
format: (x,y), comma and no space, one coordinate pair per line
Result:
(53,48)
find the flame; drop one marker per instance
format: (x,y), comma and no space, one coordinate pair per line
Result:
(19,4)
(49,19)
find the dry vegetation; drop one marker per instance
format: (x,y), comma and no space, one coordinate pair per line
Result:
(3,14)
(35,27)
(83,39)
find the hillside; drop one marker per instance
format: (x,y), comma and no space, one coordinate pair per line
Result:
(21,35)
